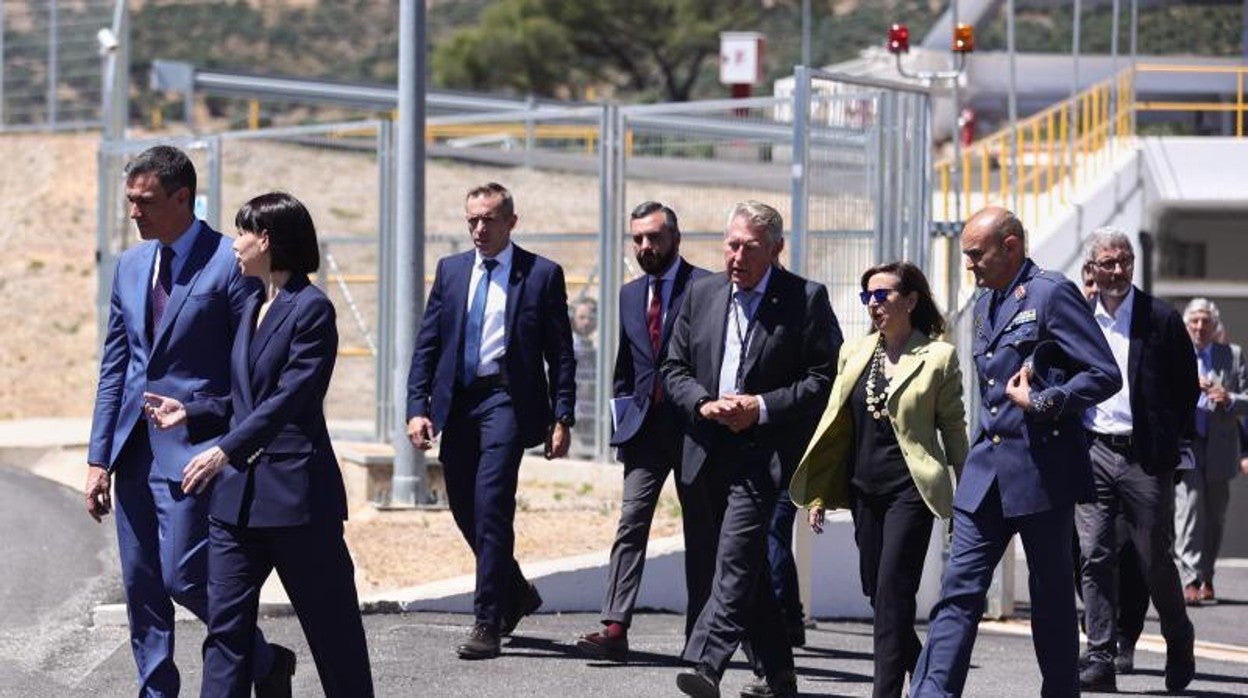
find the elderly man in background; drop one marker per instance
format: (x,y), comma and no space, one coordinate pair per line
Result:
(1202,494)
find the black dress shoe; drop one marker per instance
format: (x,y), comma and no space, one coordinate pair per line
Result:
(797,635)
(483,643)
(1124,663)
(276,683)
(1098,676)
(780,686)
(529,603)
(700,682)
(1180,667)
(599,645)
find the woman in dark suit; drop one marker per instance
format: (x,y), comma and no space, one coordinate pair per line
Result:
(278,500)
(893,431)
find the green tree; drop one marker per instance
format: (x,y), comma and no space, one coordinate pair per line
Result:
(657,47)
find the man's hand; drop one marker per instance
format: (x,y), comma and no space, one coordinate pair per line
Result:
(420,432)
(718,410)
(163,412)
(99,501)
(1018,389)
(1218,397)
(745,414)
(202,469)
(1243,465)
(815,518)
(557,441)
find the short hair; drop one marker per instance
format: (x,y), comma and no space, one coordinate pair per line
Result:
(926,317)
(292,235)
(1106,237)
(648,207)
(1010,226)
(173,169)
(584,300)
(1199,305)
(508,206)
(759,215)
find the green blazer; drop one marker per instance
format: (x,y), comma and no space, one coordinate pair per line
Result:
(924,398)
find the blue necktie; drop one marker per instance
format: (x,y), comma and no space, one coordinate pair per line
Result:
(476,321)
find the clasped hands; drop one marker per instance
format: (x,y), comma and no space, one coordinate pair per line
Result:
(1215,393)
(165,413)
(737,412)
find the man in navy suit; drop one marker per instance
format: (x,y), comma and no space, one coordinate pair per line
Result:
(648,433)
(493,372)
(1136,435)
(174,308)
(1042,361)
(750,362)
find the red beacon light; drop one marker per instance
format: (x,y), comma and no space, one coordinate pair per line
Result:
(963,38)
(898,39)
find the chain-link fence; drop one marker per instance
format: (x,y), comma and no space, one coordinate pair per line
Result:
(847,174)
(50,53)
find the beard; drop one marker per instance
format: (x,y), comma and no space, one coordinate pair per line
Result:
(1119,291)
(654,263)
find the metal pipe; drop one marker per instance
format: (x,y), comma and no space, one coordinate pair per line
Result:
(1077,19)
(53,59)
(800,183)
(1113,71)
(409,485)
(1013,102)
(1135,30)
(806,32)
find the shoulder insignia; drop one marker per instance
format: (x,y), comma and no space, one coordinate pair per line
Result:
(1020,292)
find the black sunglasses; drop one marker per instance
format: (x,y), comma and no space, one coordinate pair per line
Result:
(880,295)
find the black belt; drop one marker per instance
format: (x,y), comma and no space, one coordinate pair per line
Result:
(1114,440)
(492,382)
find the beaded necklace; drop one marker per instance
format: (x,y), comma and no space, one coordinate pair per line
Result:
(877,396)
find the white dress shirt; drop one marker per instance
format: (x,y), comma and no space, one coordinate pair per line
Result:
(494,326)
(1113,416)
(740,327)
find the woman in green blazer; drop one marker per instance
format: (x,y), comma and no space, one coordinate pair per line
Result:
(877,453)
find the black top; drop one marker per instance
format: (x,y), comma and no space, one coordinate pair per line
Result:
(878,466)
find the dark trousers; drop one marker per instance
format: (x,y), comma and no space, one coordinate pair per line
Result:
(892,531)
(1132,587)
(647,461)
(162,535)
(979,540)
(1145,504)
(315,568)
(481,453)
(780,559)
(742,608)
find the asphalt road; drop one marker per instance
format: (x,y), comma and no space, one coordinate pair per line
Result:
(57,565)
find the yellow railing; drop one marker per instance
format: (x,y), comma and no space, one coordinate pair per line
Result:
(1238,107)
(1061,146)
(1058,148)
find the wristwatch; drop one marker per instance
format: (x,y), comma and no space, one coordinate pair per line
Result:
(566,420)
(697,406)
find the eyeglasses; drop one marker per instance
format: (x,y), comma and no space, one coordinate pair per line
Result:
(880,295)
(1110,264)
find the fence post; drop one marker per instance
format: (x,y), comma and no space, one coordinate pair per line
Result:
(385,408)
(53,58)
(800,174)
(610,266)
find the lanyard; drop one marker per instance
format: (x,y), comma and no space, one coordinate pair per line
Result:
(743,339)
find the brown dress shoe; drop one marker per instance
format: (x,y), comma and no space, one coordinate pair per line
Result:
(1206,594)
(599,645)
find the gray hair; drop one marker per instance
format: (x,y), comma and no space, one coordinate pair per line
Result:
(759,215)
(1106,237)
(1202,305)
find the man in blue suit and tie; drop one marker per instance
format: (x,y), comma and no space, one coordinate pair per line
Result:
(648,433)
(1042,361)
(175,305)
(493,372)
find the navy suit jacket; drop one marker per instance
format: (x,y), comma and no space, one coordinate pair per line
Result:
(283,471)
(538,362)
(1161,371)
(1038,459)
(636,362)
(790,362)
(187,357)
